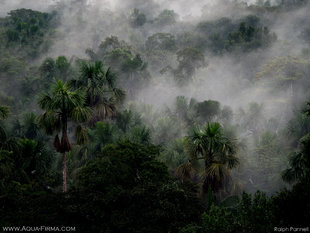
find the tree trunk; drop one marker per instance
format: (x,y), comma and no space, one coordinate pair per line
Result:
(65,146)
(64,173)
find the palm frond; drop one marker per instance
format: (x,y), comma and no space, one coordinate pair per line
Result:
(30,127)
(3,135)
(216,174)
(81,135)
(4,112)
(232,161)
(290,175)
(11,144)
(81,114)
(110,78)
(185,171)
(73,99)
(49,121)
(141,135)
(46,102)
(297,169)
(217,171)
(119,95)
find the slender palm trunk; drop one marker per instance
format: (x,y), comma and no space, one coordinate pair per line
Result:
(65,147)
(64,173)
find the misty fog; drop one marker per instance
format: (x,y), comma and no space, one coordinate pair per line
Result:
(230,78)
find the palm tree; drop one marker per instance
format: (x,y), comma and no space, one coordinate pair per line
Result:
(60,106)
(101,93)
(185,109)
(297,168)
(26,126)
(299,162)
(103,134)
(216,150)
(140,135)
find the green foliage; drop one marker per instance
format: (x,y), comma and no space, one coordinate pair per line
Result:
(166,129)
(24,161)
(128,181)
(101,93)
(51,69)
(137,19)
(101,135)
(160,48)
(225,35)
(127,119)
(60,105)
(141,135)
(166,17)
(248,37)
(48,70)
(35,158)
(27,127)
(299,162)
(112,43)
(251,214)
(174,154)
(207,110)
(185,110)
(129,64)
(189,60)
(11,65)
(285,69)
(117,180)
(292,207)
(26,30)
(218,153)
(63,67)
(4,112)
(161,41)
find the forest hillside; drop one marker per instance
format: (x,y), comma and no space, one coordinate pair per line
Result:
(155,116)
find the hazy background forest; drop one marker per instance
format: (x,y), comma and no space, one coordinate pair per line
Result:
(155,116)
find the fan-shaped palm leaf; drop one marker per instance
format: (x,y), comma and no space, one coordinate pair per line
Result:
(81,135)
(185,171)
(49,121)
(80,114)
(61,105)
(218,152)
(296,170)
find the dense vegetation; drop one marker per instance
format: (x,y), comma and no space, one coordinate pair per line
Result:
(80,146)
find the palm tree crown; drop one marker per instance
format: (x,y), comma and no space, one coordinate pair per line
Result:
(61,105)
(216,150)
(101,93)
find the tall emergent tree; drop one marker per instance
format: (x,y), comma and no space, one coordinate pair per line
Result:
(300,160)
(102,95)
(60,106)
(216,150)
